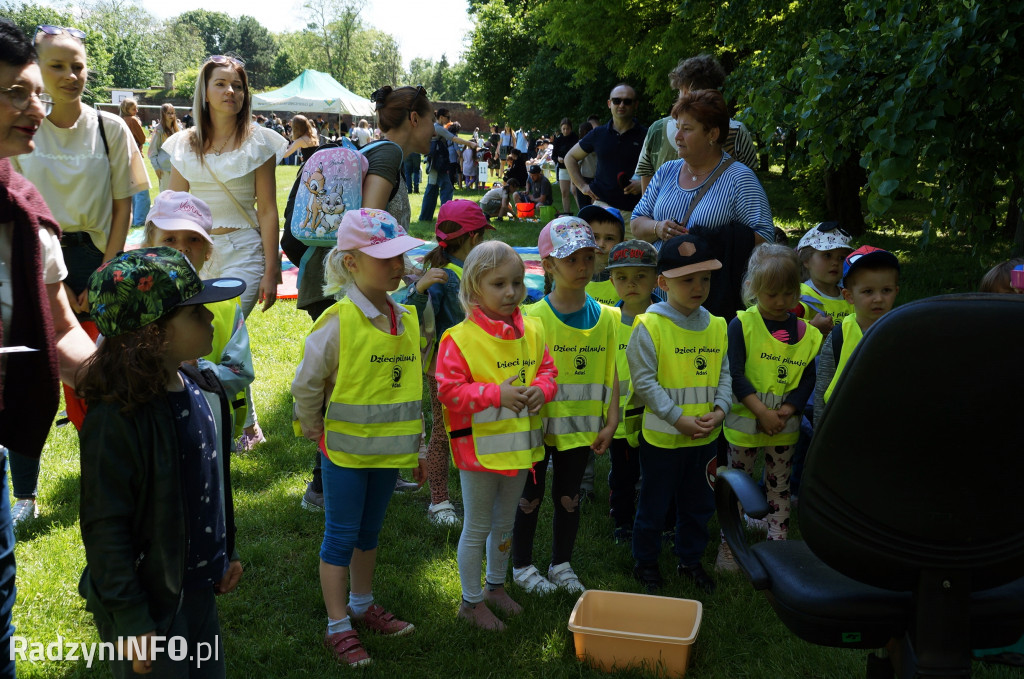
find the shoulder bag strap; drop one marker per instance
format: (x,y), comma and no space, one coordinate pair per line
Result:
(103,134)
(703,189)
(234,200)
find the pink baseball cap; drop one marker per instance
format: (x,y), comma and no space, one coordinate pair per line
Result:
(374,233)
(181,211)
(466,213)
(563,236)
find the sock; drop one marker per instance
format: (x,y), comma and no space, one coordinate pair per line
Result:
(335,626)
(358,603)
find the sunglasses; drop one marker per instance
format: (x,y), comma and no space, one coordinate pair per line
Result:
(627,101)
(221,59)
(828,227)
(57,30)
(20,98)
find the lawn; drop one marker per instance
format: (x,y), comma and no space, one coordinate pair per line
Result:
(273,624)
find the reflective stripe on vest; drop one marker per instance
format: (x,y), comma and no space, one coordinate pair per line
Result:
(852,335)
(224,315)
(502,438)
(586,369)
(689,368)
(374,416)
(774,369)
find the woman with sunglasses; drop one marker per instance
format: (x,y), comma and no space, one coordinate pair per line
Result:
(87,168)
(729,207)
(407,121)
(230,162)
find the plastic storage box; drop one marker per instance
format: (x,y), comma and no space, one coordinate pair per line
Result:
(614,630)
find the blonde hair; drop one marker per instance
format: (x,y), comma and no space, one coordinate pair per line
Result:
(483,259)
(166,108)
(772,268)
(151,236)
(126,105)
(301,127)
(337,277)
(998,277)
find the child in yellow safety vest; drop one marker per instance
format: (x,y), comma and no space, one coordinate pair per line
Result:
(460,227)
(634,273)
(367,412)
(583,337)
(822,251)
(771,357)
(183,222)
(494,373)
(871,281)
(680,372)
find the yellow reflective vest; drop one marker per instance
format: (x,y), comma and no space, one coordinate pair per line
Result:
(689,367)
(774,369)
(374,415)
(586,369)
(604,292)
(629,411)
(224,314)
(852,335)
(502,438)
(836,309)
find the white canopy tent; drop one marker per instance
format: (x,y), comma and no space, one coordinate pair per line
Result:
(314,92)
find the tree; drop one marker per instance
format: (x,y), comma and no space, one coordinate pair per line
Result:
(122,53)
(382,64)
(501,47)
(177,46)
(337,22)
(212,27)
(252,42)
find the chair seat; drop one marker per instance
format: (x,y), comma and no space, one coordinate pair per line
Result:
(823,606)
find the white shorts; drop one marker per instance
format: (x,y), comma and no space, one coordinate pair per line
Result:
(238,254)
(563,175)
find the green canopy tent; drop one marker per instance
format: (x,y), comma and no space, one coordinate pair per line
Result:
(314,92)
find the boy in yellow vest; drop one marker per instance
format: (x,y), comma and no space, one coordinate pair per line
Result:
(822,251)
(680,371)
(871,281)
(634,273)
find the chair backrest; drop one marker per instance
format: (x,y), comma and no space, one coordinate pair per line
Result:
(918,460)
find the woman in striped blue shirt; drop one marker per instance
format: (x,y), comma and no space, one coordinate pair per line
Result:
(733,214)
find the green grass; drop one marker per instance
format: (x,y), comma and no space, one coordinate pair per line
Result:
(273,623)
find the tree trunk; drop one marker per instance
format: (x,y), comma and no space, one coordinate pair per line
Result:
(842,195)
(1013,210)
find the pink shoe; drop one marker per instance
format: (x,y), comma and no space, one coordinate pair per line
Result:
(247,442)
(380,621)
(347,649)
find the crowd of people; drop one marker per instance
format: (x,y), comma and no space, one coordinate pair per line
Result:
(701,340)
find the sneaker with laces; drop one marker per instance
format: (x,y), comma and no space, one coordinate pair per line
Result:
(347,649)
(759,525)
(376,619)
(530,579)
(443,514)
(24,510)
(311,500)
(725,562)
(562,576)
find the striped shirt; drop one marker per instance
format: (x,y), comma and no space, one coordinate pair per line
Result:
(736,196)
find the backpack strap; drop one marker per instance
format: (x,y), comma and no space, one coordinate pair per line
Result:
(837,342)
(103,134)
(401,174)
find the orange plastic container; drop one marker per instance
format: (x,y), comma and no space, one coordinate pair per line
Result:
(525,209)
(615,630)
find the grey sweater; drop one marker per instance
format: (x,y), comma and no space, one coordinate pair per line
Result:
(643,364)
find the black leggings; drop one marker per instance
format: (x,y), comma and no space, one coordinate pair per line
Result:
(568,469)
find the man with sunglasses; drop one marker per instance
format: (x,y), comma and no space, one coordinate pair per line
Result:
(617,145)
(38,331)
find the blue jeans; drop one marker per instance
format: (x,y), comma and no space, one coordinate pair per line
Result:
(682,473)
(444,186)
(140,208)
(412,175)
(355,501)
(7,589)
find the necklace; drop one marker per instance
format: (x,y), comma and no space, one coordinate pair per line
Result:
(224,143)
(693,176)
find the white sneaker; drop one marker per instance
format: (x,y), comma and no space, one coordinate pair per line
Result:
(725,561)
(563,577)
(24,510)
(530,579)
(443,514)
(760,525)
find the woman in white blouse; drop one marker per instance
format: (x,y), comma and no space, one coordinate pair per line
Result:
(229,162)
(225,148)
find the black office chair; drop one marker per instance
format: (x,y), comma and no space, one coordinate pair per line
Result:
(910,502)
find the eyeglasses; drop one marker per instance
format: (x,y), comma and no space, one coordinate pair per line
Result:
(221,59)
(627,101)
(828,227)
(20,98)
(57,30)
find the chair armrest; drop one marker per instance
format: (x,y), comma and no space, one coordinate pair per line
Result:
(736,492)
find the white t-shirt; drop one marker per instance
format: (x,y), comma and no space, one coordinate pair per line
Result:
(54,270)
(361,136)
(235,169)
(72,171)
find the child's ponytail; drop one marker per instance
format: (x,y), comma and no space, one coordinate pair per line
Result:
(440,256)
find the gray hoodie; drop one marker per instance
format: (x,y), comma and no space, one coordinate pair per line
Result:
(643,364)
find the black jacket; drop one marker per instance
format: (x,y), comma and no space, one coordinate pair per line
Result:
(133,509)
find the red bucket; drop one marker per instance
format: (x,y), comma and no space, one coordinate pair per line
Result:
(525,209)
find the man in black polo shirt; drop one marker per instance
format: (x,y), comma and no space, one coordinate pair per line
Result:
(617,145)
